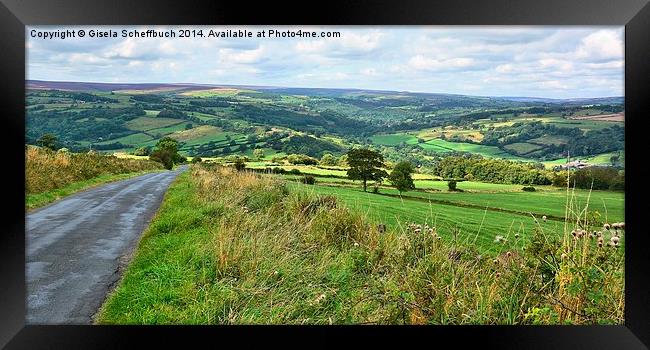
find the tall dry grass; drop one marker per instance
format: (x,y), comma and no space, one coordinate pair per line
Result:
(46,170)
(297,257)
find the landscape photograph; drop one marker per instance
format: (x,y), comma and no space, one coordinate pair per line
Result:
(376,175)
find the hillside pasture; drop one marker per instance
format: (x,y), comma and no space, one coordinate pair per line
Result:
(148,123)
(522,147)
(393,139)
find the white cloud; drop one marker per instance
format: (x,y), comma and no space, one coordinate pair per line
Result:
(85,58)
(241,56)
(554,84)
(524,61)
(603,44)
(369,72)
(420,62)
(311,46)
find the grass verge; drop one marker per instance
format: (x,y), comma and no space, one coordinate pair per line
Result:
(231,247)
(37,200)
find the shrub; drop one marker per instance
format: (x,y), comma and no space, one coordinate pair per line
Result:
(328,159)
(196,160)
(164,157)
(46,170)
(142,151)
(451,184)
(528,189)
(301,159)
(309,180)
(294,172)
(239,164)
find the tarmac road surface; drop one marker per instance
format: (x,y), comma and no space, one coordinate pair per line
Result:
(76,246)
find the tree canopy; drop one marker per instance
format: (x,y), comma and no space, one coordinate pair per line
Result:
(365,165)
(48,141)
(401,177)
(166,152)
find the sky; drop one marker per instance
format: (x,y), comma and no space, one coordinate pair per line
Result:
(542,61)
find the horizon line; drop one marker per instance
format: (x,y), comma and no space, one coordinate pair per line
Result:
(323,88)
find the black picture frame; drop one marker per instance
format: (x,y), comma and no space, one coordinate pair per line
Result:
(634,14)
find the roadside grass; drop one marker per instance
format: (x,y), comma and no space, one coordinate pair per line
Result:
(231,247)
(46,170)
(36,200)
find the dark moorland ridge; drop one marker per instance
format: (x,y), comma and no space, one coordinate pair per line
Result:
(85,86)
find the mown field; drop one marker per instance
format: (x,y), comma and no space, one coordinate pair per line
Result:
(233,247)
(478,217)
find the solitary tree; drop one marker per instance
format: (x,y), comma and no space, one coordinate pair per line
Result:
(47,141)
(365,164)
(166,152)
(401,178)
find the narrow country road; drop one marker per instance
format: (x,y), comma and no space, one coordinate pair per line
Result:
(74,247)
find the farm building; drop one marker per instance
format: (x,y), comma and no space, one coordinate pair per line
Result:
(576,164)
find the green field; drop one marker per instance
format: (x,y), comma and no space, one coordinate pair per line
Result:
(482,214)
(393,139)
(480,224)
(148,123)
(550,202)
(202,116)
(439,145)
(168,129)
(133,139)
(522,147)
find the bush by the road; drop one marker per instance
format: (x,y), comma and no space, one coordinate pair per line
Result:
(47,170)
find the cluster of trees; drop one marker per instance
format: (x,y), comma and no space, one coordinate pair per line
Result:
(81,126)
(519,132)
(148,98)
(301,159)
(594,177)
(308,145)
(474,167)
(578,143)
(598,141)
(172,113)
(109,146)
(309,122)
(74,95)
(212,102)
(368,165)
